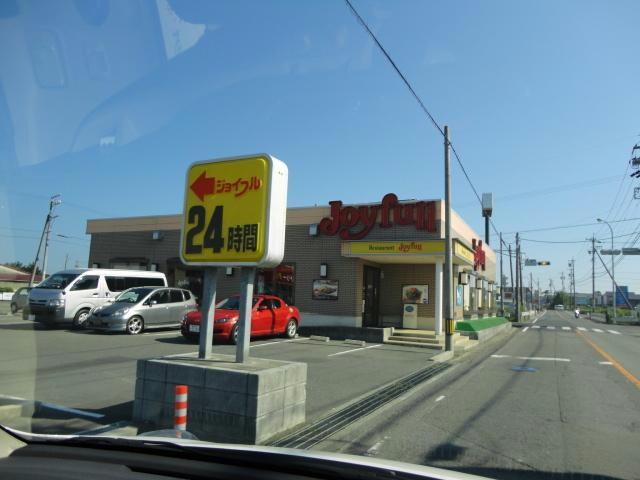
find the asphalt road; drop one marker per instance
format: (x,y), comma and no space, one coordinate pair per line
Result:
(559,399)
(95,372)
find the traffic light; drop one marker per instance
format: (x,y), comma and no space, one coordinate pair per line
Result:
(544,263)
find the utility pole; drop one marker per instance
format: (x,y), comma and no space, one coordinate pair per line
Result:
(523,286)
(538,296)
(46,231)
(517,290)
(593,275)
(513,288)
(572,277)
(501,280)
(448,266)
(562,277)
(614,290)
(66,258)
(531,290)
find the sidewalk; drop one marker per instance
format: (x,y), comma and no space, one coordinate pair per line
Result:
(600,318)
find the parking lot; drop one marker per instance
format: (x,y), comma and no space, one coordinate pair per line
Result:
(93,374)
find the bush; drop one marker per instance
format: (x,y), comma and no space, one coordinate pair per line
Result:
(6,290)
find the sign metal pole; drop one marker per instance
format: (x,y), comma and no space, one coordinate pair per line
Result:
(247,276)
(208,312)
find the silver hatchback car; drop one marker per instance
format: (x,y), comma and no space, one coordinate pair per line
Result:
(141,308)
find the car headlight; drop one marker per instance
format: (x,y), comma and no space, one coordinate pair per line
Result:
(122,311)
(222,320)
(56,302)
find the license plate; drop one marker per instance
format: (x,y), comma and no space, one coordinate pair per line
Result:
(194,328)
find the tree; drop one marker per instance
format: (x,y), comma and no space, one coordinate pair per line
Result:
(560,298)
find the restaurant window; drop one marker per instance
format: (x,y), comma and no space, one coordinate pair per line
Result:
(278,281)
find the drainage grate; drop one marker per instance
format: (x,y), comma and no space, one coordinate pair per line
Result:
(312,434)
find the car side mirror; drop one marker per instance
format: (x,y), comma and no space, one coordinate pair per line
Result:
(153,302)
(263,307)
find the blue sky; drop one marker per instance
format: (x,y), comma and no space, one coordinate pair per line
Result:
(538,95)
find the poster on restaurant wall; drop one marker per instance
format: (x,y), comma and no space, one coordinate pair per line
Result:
(325,289)
(459,295)
(415,294)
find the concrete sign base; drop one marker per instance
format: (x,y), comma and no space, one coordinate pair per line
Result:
(227,401)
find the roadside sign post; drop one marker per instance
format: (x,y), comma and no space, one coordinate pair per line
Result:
(234,216)
(247,276)
(208,311)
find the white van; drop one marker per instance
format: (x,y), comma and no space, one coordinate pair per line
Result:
(68,296)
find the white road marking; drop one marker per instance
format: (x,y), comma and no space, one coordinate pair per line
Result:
(536,327)
(273,343)
(614,332)
(75,411)
(550,327)
(549,359)
(597,330)
(582,329)
(605,363)
(354,350)
(536,320)
(373,451)
(160,334)
(566,328)
(441,397)
(25,322)
(525,329)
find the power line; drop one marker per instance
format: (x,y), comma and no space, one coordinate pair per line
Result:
(393,64)
(575,241)
(417,98)
(577,225)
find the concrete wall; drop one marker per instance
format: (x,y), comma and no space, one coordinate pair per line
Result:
(227,401)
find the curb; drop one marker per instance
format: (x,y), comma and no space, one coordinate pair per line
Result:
(319,338)
(442,357)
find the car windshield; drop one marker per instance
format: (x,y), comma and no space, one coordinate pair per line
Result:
(233,303)
(134,295)
(434,206)
(58,281)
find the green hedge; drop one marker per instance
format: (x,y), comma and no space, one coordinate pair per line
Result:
(480,324)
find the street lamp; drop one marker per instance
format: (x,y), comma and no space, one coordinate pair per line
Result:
(613,272)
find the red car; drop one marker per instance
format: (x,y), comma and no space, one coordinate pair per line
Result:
(270,316)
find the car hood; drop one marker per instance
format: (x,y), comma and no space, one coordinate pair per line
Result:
(327,465)
(112,308)
(44,293)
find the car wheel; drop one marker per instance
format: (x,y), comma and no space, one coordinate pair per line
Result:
(14,308)
(80,320)
(292,329)
(233,338)
(134,325)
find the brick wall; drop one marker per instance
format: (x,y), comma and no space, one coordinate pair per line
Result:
(395,276)
(107,246)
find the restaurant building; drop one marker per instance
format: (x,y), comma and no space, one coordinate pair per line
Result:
(370,265)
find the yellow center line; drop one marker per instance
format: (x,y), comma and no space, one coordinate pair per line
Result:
(628,375)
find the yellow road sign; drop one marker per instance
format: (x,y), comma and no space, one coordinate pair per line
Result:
(234,212)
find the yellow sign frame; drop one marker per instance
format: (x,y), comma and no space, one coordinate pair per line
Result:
(234,212)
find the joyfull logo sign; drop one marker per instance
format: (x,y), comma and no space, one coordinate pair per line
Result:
(479,256)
